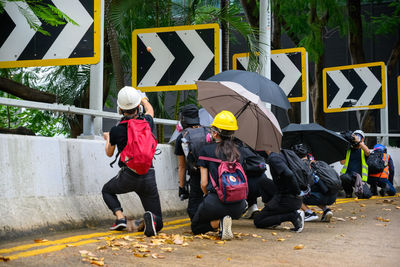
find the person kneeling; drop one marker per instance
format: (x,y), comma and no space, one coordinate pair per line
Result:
(284,205)
(214,212)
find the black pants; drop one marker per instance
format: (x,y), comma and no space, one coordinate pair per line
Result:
(348,182)
(210,209)
(195,194)
(280,208)
(254,188)
(144,185)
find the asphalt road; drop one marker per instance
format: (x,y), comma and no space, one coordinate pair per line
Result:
(362,233)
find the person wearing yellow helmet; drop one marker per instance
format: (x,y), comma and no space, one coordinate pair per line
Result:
(212,212)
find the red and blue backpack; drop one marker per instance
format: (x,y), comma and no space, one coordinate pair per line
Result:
(232,181)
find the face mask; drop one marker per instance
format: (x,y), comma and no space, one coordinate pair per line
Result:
(179,127)
(209,138)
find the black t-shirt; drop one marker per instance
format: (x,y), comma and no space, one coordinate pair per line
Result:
(178,146)
(119,135)
(210,151)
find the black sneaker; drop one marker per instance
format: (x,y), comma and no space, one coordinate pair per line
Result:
(309,217)
(327,216)
(149,224)
(225,226)
(382,192)
(119,225)
(298,222)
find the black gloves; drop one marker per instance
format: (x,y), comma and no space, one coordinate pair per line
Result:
(183,192)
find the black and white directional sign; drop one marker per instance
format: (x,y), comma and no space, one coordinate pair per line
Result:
(67,44)
(173,58)
(354,87)
(288,69)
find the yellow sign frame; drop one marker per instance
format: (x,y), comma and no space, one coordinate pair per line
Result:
(193,86)
(302,50)
(347,67)
(66,61)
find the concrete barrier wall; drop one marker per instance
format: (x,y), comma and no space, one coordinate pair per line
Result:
(56,182)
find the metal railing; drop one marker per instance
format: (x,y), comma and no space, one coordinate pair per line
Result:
(72,110)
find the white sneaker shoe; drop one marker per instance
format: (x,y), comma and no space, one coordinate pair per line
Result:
(250,211)
(298,223)
(226,228)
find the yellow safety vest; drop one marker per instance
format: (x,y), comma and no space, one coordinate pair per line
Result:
(363,162)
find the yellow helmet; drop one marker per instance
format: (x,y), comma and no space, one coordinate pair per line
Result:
(225,120)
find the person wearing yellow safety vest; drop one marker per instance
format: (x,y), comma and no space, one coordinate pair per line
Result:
(355,163)
(383,179)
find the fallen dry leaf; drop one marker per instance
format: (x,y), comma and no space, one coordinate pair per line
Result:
(220,242)
(342,235)
(387,200)
(143,250)
(167,249)
(114,249)
(273,233)
(382,219)
(340,219)
(387,209)
(362,216)
(353,218)
(3,258)
(157,256)
(362,205)
(98,263)
(199,256)
(40,240)
(138,255)
(281,239)
(228,259)
(300,246)
(101,247)
(263,240)
(70,245)
(398,207)
(185,244)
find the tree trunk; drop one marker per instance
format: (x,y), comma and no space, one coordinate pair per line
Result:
(25,92)
(251,12)
(114,48)
(355,36)
(225,35)
(394,57)
(276,27)
(318,111)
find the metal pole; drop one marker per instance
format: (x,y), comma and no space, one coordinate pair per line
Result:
(96,86)
(265,40)
(385,115)
(305,105)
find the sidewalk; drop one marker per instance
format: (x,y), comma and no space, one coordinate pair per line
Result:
(362,233)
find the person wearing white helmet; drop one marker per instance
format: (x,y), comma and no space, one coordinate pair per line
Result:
(127,180)
(355,166)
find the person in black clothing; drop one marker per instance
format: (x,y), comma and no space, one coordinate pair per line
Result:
(283,200)
(189,117)
(127,180)
(212,213)
(320,195)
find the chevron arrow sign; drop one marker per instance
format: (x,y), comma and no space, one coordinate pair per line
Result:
(173,58)
(68,44)
(288,70)
(354,87)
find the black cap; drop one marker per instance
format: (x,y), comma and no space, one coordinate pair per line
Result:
(190,114)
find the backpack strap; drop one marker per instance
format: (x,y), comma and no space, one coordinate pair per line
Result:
(210,159)
(116,156)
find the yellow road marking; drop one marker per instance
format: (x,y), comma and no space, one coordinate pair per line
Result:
(84,242)
(74,239)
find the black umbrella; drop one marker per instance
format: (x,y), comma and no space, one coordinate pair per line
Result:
(325,144)
(267,90)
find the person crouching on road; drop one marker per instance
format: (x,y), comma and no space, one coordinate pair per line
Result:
(285,202)
(320,194)
(212,213)
(383,179)
(127,180)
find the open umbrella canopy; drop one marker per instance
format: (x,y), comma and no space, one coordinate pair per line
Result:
(258,127)
(266,89)
(325,144)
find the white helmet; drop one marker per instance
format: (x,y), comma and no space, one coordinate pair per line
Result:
(360,133)
(128,98)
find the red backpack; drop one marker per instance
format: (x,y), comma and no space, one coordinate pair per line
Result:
(141,146)
(232,181)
